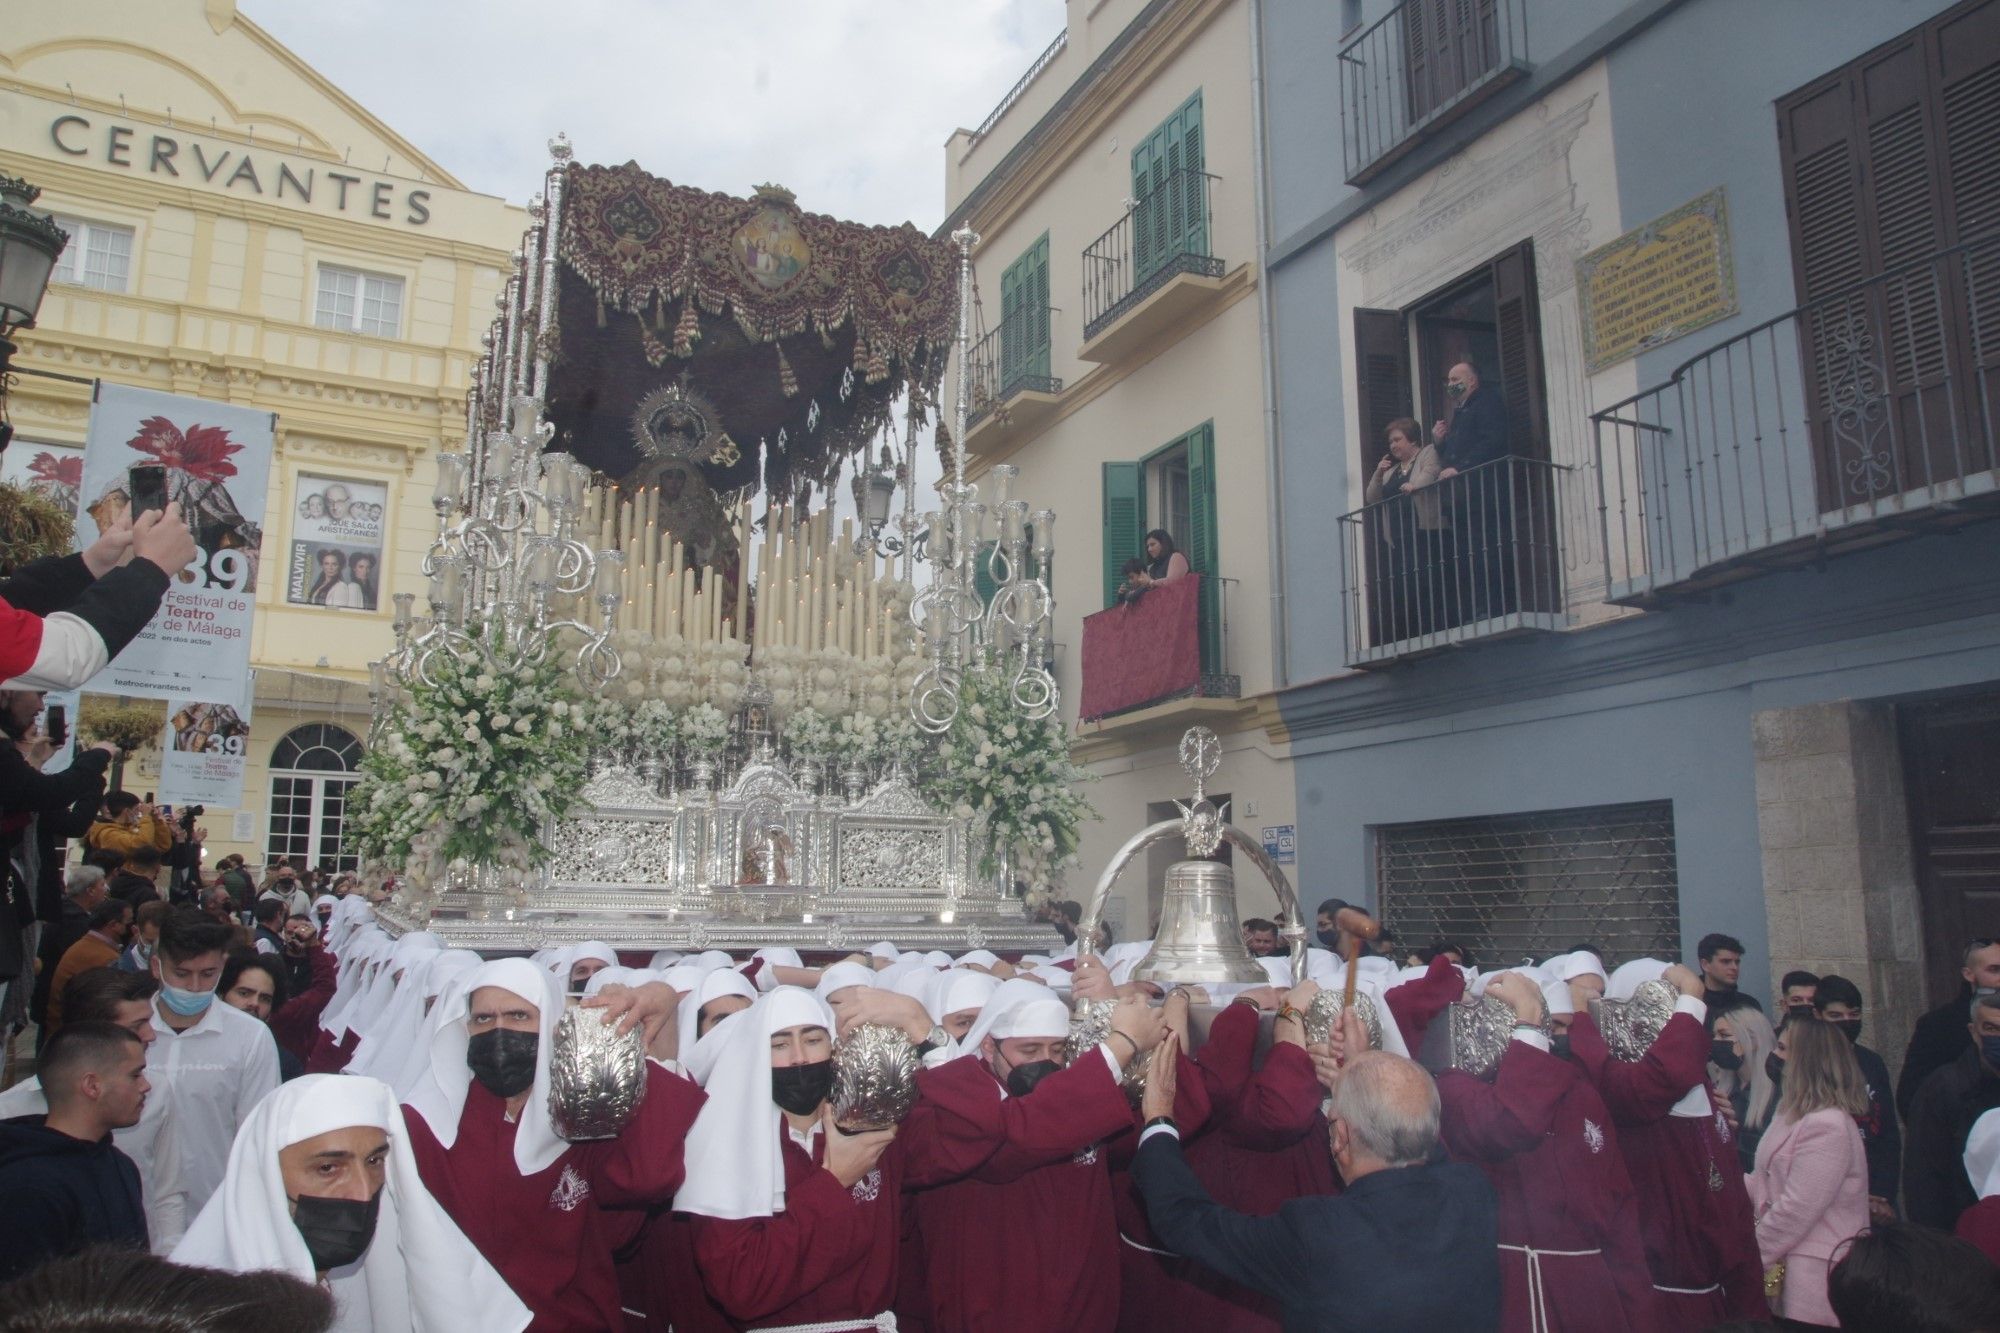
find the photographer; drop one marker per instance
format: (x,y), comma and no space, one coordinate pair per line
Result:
(63,618)
(128,823)
(184,856)
(311,973)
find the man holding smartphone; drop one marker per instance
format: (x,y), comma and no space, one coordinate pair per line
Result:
(64,617)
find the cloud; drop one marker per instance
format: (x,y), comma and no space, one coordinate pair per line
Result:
(847,102)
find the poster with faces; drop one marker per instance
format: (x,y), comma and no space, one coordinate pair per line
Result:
(337,537)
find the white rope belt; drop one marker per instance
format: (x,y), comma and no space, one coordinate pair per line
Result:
(1708,1290)
(1147,1249)
(882,1323)
(1538,1310)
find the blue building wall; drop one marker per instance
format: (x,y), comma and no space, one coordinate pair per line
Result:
(1645,708)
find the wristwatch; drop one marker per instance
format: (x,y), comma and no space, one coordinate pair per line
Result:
(937,1040)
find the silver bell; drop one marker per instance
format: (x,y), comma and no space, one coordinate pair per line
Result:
(1199,940)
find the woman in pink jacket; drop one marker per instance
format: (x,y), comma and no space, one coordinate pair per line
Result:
(1810,1189)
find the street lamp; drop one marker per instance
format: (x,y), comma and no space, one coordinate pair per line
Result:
(874,489)
(30,241)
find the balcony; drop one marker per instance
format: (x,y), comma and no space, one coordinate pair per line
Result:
(1420,67)
(1467,559)
(1013,395)
(1158,651)
(1856,419)
(1152,269)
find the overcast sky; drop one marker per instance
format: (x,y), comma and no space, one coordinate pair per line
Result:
(847,102)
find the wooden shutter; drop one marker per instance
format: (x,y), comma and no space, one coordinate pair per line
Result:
(1194,202)
(1143,205)
(1518,325)
(1204,547)
(1124,522)
(1886,161)
(1171,211)
(1382,375)
(1024,317)
(1037,297)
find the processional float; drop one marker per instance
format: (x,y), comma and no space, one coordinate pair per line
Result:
(637,709)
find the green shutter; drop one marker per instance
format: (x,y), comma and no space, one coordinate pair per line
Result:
(1203,546)
(982,574)
(1024,317)
(1171,213)
(1124,522)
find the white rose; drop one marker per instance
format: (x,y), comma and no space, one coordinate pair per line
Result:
(501,721)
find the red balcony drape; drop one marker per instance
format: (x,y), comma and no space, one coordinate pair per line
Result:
(1150,650)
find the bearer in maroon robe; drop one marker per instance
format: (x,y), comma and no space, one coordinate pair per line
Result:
(1030,1239)
(1570,1256)
(1265,1143)
(796,1222)
(1694,1213)
(528,1200)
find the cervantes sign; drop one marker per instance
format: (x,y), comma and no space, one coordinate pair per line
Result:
(234,167)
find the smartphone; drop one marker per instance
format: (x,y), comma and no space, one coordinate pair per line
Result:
(56,725)
(149,798)
(149,487)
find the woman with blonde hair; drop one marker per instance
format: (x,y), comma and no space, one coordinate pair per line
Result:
(1809,1192)
(1741,1044)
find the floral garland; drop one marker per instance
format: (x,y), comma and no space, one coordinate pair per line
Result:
(1014,777)
(473,765)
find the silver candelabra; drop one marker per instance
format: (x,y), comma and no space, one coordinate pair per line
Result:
(987,607)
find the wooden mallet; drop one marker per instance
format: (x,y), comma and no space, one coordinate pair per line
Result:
(1358,926)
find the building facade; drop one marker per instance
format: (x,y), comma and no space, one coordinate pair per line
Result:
(1712,642)
(1118,365)
(241,230)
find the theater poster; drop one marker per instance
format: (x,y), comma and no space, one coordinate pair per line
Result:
(336,552)
(202,757)
(218,464)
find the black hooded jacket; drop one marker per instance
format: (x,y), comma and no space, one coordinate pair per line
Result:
(63,1194)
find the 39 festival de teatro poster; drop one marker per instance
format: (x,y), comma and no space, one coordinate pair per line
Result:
(218,466)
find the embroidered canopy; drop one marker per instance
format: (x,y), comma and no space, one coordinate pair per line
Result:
(746,339)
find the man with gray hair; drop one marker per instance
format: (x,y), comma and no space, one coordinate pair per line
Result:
(84,891)
(1936,1188)
(1329,1260)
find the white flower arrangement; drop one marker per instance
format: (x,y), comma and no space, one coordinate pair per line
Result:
(857,740)
(809,735)
(1014,776)
(705,731)
(478,761)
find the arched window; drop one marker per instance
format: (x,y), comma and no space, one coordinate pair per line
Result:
(311,770)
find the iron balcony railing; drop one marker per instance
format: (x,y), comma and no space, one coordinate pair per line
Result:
(1473,556)
(1042,62)
(1168,231)
(1013,358)
(1866,410)
(1417,66)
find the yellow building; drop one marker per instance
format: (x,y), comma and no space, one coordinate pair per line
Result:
(242,230)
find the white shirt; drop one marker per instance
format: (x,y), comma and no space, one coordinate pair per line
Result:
(216,1071)
(153,1145)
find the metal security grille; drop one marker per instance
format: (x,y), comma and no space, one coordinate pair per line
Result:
(1514,887)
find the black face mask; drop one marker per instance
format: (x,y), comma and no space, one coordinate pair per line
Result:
(800,1089)
(503,1060)
(1021,1079)
(336,1231)
(1559,1045)
(1851,1026)
(1724,1055)
(1774,1068)
(1329,939)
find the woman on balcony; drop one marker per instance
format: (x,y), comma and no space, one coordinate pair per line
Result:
(1164,562)
(1414,532)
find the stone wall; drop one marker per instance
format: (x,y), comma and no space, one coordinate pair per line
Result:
(1840,889)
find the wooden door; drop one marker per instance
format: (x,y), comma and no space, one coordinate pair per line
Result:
(1951,773)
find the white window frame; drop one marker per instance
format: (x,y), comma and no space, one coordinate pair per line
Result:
(321,785)
(98,256)
(345,303)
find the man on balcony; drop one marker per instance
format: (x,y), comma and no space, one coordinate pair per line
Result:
(1482,505)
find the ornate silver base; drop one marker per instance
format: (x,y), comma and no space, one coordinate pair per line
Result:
(641,870)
